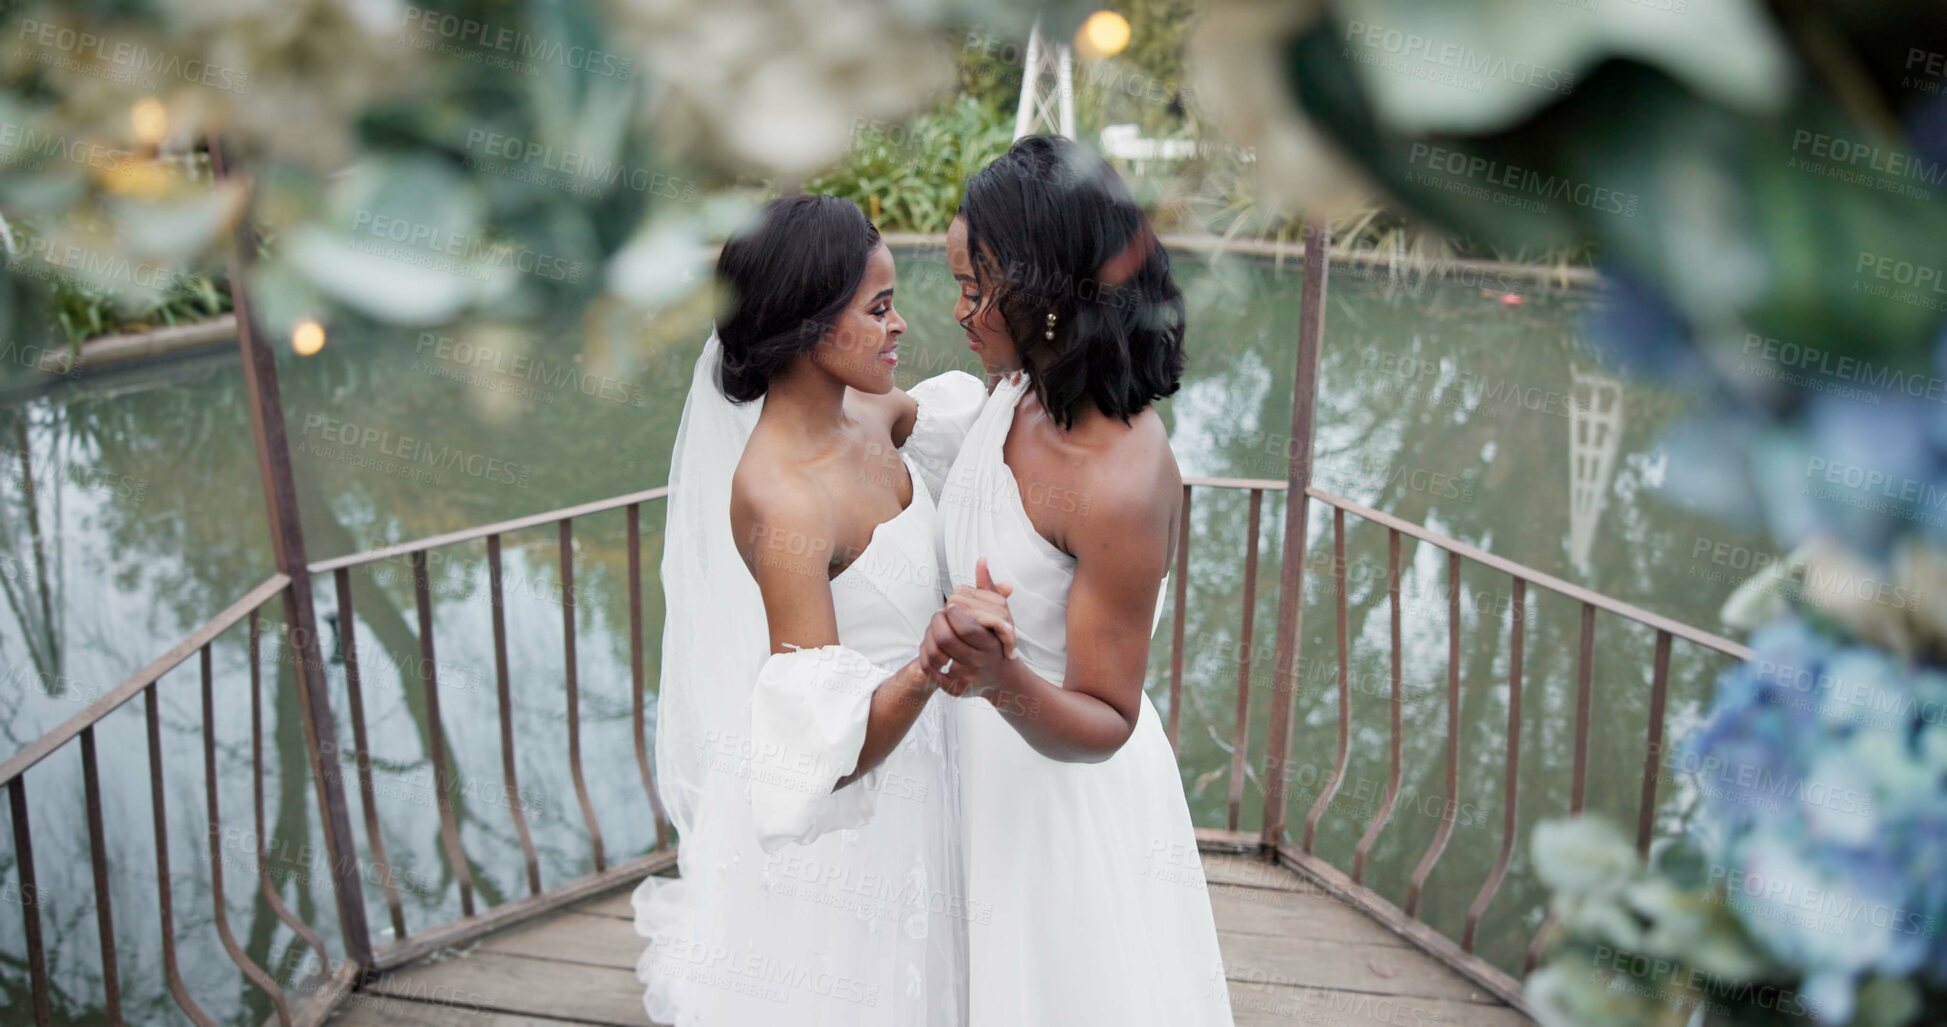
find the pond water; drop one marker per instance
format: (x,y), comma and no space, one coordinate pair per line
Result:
(1442,403)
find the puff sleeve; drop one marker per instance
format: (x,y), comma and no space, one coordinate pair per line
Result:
(808,717)
(948,405)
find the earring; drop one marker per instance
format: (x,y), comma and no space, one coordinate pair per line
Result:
(1050,333)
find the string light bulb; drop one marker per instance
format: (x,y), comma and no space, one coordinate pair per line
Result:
(1104,34)
(307,338)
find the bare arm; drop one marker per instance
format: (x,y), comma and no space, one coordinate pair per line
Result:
(1122,551)
(786,540)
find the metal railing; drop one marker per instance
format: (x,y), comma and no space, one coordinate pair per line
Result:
(1349,882)
(409,941)
(145,683)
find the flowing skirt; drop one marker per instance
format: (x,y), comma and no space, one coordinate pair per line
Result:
(861,926)
(1087,894)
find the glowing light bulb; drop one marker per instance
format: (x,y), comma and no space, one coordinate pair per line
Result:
(307,338)
(1104,34)
(150,119)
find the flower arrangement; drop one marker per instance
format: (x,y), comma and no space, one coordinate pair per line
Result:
(1759,183)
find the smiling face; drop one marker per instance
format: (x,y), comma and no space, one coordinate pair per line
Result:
(986,330)
(862,347)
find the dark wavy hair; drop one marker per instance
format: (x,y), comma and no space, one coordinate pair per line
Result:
(1052,229)
(785,280)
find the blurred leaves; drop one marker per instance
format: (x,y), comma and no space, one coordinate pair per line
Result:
(1756,179)
(1515,55)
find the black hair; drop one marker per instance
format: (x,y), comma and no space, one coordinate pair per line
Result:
(1051,228)
(785,280)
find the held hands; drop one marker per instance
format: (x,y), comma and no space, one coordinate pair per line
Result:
(971,638)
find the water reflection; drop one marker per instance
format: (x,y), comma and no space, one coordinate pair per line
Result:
(1438,404)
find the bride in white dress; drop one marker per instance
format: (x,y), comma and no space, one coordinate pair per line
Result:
(808,774)
(1078,838)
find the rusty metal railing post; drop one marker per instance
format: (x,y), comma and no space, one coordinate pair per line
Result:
(287,543)
(1298,479)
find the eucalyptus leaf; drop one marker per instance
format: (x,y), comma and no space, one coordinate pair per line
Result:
(1473,66)
(177,227)
(391,285)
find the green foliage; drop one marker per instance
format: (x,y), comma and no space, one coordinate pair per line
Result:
(1690,172)
(988,68)
(84,313)
(1157,31)
(909,177)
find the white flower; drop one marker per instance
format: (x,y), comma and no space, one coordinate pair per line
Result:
(778,86)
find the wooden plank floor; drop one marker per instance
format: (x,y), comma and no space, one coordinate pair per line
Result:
(1293,955)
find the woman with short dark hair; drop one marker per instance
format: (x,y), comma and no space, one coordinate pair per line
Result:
(1079,844)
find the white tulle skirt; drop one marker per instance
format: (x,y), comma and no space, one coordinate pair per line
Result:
(864,925)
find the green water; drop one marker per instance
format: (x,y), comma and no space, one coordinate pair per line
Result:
(1438,403)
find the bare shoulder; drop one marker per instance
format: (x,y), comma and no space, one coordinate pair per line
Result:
(1129,475)
(773,499)
(896,411)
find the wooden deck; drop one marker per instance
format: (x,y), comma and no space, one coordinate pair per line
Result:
(1293,955)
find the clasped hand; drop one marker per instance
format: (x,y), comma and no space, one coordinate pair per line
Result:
(971,638)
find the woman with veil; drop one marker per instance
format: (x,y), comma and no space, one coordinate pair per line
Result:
(802,759)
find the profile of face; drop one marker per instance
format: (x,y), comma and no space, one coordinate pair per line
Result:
(862,347)
(986,329)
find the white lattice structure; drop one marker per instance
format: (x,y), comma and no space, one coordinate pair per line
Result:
(1047,88)
(1595,437)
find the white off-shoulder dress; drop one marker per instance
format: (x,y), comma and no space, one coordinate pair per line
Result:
(1093,905)
(833,907)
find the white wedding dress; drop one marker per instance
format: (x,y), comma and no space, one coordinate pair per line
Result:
(1088,893)
(797,904)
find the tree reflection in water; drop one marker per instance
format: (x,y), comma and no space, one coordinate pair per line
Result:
(1438,404)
